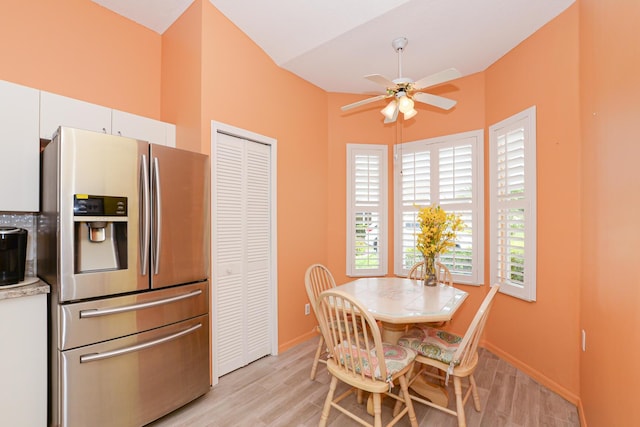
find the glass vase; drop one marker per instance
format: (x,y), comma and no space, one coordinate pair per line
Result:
(430,278)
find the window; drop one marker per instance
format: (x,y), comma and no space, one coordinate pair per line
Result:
(446,171)
(366,210)
(513,204)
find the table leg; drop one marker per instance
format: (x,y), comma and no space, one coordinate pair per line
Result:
(430,391)
(391,332)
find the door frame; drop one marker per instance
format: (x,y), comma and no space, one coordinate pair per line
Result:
(216,129)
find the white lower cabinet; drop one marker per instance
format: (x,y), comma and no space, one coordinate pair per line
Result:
(23,361)
(19,148)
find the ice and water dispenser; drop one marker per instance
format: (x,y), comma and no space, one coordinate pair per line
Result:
(100,227)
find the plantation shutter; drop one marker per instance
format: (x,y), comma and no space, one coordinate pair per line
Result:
(366,202)
(416,190)
(513,205)
(456,196)
(443,171)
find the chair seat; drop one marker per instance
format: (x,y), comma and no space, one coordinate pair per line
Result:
(396,357)
(433,343)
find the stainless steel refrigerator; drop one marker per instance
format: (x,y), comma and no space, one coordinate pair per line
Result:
(123,240)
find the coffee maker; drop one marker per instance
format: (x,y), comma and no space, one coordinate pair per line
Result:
(13,255)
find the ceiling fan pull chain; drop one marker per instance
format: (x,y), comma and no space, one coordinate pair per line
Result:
(400,62)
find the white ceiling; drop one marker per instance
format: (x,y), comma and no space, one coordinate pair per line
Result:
(334,43)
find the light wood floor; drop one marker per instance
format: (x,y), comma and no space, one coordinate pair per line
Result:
(277,391)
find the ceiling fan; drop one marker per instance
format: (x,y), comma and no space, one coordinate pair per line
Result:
(405,91)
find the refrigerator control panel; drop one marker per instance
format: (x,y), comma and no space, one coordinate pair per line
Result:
(89,205)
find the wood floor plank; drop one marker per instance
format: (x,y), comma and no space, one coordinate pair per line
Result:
(275,391)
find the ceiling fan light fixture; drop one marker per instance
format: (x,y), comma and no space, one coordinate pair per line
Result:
(389,110)
(405,104)
(409,114)
(405,91)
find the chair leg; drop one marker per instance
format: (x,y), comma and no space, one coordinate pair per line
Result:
(457,386)
(316,358)
(327,403)
(474,393)
(404,386)
(377,410)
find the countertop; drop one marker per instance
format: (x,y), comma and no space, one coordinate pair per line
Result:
(32,286)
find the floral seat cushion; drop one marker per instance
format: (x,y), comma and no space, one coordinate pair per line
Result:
(432,343)
(396,357)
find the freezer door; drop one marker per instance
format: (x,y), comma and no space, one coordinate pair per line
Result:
(180,216)
(87,322)
(133,380)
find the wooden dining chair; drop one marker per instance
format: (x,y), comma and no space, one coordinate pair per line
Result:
(443,274)
(452,356)
(362,360)
(317,279)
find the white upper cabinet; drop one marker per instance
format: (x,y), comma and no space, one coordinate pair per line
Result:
(143,128)
(28,115)
(19,148)
(58,110)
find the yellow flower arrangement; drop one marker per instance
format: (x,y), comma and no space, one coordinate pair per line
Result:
(438,230)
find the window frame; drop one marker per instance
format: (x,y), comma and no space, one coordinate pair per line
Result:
(382,247)
(526,119)
(476,206)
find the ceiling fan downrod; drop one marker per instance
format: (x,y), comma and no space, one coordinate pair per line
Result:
(398,45)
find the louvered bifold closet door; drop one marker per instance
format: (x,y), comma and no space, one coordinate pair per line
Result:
(241,257)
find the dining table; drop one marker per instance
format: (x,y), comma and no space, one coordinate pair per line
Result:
(398,302)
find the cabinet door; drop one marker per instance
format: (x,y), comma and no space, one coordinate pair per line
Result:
(58,110)
(138,127)
(19,148)
(171,135)
(23,361)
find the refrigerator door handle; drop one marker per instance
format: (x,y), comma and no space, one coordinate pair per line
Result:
(158,216)
(85,314)
(119,352)
(144,215)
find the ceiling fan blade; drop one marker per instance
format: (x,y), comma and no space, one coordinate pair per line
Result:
(393,118)
(437,78)
(380,79)
(435,100)
(363,102)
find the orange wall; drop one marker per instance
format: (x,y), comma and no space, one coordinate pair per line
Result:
(242,87)
(543,71)
(610,297)
(182,78)
(81,50)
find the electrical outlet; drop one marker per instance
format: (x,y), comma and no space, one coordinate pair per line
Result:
(307,309)
(584,340)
